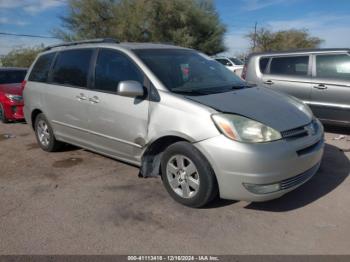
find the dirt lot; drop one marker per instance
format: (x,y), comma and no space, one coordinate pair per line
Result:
(78,202)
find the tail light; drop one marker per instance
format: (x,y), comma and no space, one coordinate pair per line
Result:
(244,71)
(23,84)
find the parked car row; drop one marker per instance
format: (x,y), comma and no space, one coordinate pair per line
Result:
(173,112)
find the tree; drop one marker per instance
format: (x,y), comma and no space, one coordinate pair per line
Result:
(189,23)
(21,57)
(266,40)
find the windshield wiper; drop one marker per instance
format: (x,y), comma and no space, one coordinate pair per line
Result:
(208,91)
(242,86)
(190,92)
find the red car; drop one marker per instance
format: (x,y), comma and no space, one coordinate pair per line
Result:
(11,100)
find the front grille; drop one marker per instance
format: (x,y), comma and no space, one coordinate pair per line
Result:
(296,132)
(310,129)
(299,179)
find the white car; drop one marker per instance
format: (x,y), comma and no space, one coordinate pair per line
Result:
(234,64)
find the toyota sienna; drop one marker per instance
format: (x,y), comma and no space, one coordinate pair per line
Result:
(173,112)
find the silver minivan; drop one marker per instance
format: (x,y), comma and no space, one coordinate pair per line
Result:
(319,77)
(173,112)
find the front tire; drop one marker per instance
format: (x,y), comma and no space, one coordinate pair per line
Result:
(188,176)
(45,136)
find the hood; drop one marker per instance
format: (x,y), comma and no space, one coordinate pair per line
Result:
(13,89)
(273,109)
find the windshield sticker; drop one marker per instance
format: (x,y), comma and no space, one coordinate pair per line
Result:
(185,69)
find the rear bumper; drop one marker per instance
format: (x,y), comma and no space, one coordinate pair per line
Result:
(288,163)
(13,110)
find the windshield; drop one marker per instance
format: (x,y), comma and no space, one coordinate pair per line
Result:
(236,61)
(190,72)
(12,76)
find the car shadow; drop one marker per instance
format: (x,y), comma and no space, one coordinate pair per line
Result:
(69,148)
(22,122)
(335,168)
(217,203)
(337,129)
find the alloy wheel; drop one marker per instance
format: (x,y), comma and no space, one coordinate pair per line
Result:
(43,133)
(183,177)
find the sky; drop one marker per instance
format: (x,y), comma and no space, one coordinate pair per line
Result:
(329,20)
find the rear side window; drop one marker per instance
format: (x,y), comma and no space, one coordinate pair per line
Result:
(292,66)
(225,62)
(72,67)
(12,76)
(113,67)
(41,68)
(333,66)
(263,64)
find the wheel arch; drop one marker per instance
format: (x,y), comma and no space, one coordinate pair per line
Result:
(150,160)
(33,116)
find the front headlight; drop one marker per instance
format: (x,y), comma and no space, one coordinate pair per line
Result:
(243,129)
(16,98)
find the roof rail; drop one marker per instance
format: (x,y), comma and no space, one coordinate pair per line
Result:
(89,41)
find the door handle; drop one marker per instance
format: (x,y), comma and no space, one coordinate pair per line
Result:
(268,82)
(81,97)
(94,100)
(321,86)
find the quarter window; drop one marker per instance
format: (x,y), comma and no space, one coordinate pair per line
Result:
(333,66)
(263,64)
(72,67)
(293,66)
(112,68)
(41,68)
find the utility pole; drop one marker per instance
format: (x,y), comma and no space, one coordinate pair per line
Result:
(254,38)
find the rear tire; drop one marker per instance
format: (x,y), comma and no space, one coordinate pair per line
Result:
(188,176)
(2,115)
(45,136)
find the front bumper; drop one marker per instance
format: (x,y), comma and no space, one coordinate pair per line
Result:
(13,110)
(289,162)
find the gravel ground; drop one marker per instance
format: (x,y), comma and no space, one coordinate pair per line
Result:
(78,202)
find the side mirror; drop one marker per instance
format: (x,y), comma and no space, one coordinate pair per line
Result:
(130,89)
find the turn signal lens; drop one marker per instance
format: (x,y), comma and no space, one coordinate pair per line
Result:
(262,189)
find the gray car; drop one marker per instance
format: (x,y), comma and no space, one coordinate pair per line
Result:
(173,112)
(320,78)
